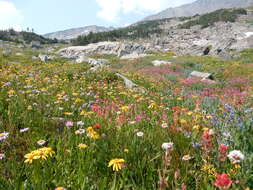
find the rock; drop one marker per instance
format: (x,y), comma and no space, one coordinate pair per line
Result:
(7,52)
(112,48)
(19,54)
(91,61)
(202,75)
(160,62)
(130,85)
(134,56)
(43,58)
(36,44)
(82,59)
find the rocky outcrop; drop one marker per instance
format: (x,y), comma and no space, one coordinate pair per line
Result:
(114,48)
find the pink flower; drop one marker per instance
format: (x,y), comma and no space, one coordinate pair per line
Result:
(69,124)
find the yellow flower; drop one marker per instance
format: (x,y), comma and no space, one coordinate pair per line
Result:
(196,127)
(124,108)
(82,146)
(11,92)
(116,164)
(29,158)
(179,99)
(68,113)
(75,94)
(126,150)
(59,188)
(209,169)
(182,121)
(209,117)
(190,113)
(39,154)
(153,106)
(78,100)
(29,108)
(92,133)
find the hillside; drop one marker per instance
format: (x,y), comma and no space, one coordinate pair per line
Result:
(200,7)
(24,37)
(75,32)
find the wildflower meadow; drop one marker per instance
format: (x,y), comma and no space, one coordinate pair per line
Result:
(65,127)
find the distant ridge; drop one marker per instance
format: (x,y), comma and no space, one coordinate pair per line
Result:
(200,7)
(75,32)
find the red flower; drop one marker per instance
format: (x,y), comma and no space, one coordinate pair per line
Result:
(223,181)
(97,126)
(223,148)
(223,152)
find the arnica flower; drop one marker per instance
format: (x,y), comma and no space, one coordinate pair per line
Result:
(23,130)
(209,169)
(2,156)
(3,136)
(126,150)
(186,157)
(82,146)
(167,146)
(125,108)
(29,107)
(39,154)
(116,164)
(236,156)
(60,188)
(41,142)
(92,133)
(223,181)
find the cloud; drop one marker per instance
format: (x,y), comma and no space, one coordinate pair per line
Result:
(10,16)
(111,10)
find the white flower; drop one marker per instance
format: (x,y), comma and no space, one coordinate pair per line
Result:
(80,123)
(79,131)
(164,125)
(2,156)
(167,146)
(3,136)
(132,122)
(139,134)
(236,156)
(23,130)
(41,142)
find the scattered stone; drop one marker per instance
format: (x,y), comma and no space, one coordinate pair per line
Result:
(202,75)
(130,85)
(160,62)
(43,58)
(36,44)
(19,54)
(7,52)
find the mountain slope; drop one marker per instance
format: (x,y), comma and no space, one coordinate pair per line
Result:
(75,32)
(200,7)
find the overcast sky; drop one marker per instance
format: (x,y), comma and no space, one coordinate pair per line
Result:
(52,15)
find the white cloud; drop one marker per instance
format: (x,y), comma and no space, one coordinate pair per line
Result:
(112,9)
(10,16)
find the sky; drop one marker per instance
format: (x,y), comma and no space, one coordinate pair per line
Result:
(46,16)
